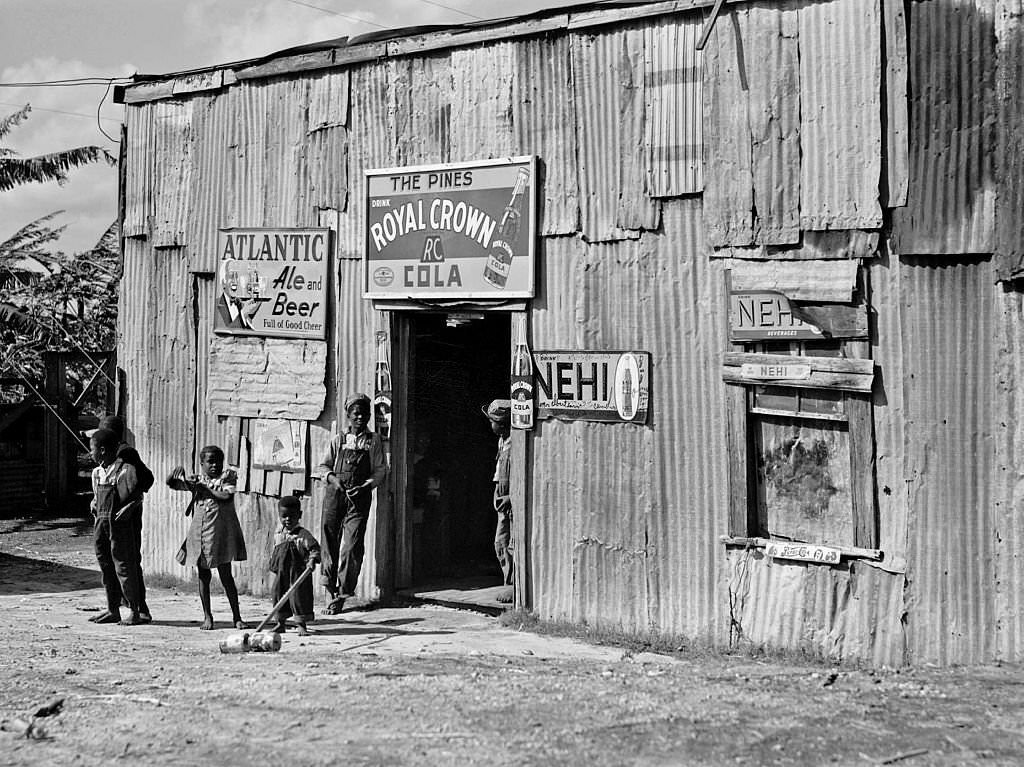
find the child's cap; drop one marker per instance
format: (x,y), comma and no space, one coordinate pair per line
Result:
(104,438)
(289,503)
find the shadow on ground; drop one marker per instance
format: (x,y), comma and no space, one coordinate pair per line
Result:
(22,575)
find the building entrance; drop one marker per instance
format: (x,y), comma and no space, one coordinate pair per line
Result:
(458,364)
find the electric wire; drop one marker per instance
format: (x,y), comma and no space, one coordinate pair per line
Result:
(456,10)
(335,13)
(59,111)
(99,125)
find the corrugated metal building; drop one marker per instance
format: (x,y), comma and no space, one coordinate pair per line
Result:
(847,168)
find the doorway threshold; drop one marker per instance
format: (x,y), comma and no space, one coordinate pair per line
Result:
(475,594)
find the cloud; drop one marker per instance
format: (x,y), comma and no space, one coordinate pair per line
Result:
(62,118)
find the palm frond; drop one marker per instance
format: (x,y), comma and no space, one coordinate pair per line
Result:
(11,120)
(13,317)
(49,167)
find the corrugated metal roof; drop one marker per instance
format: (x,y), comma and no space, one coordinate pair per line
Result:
(608,92)
(840,114)
(948,356)
(673,123)
(951,199)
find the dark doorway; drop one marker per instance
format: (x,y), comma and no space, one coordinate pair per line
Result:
(459,364)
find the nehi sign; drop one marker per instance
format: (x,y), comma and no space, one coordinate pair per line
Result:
(451,231)
(611,387)
(273,282)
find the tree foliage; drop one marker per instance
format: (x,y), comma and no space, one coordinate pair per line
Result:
(50,300)
(15,170)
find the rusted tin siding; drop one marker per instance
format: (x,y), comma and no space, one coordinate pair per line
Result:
(608,93)
(1008,482)
(1009,138)
(849,613)
(636,548)
(951,198)
(673,128)
(840,114)
(482,114)
(157,350)
(545,124)
(948,332)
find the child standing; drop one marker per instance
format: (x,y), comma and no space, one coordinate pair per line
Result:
(294,549)
(114,485)
(214,538)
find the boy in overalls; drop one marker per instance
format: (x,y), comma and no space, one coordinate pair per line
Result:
(113,485)
(353,466)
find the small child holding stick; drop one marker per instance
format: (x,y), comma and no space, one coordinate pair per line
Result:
(294,549)
(214,537)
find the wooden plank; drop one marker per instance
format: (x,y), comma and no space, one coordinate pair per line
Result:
(618,15)
(198,82)
(742,518)
(243,464)
(302,62)
(274,481)
(728,172)
(434,41)
(853,552)
(150,91)
(862,470)
(774,113)
(897,118)
(818,364)
(817,380)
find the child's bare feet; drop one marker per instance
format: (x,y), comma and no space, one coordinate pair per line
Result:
(106,617)
(303,631)
(132,620)
(240,624)
(207,623)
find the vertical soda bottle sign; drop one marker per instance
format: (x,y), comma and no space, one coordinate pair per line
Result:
(382,388)
(522,386)
(499,260)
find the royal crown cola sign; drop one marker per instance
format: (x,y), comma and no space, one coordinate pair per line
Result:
(452,231)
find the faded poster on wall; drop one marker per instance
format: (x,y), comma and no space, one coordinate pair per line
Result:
(273,282)
(279,445)
(453,231)
(610,387)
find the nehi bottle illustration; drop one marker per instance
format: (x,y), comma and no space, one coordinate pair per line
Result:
(627,392)
(522,387)
(382,388)
(499,261)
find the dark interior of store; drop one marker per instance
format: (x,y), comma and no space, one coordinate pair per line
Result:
(459,364)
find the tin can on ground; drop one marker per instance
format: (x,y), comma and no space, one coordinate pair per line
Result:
(265,641)
(236,643)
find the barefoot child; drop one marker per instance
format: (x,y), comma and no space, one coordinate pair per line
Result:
(294,549)
(114,486)
(214,538)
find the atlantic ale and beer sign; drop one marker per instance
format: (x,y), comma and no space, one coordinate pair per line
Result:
(610,387)
(451,231)
(273,282)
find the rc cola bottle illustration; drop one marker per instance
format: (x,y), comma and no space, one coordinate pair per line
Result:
(499,261)
(382,389)
(522,387)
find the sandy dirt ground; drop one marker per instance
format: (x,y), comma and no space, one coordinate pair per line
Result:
(434,686)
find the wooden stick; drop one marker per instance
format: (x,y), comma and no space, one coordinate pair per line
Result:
(287,594)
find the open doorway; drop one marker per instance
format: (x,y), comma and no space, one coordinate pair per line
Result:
(458,364)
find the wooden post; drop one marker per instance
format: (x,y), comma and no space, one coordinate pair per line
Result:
(57,446)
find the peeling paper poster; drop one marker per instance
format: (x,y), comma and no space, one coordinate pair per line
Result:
(279,445)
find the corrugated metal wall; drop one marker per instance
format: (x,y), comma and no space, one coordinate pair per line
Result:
(948,327)
(625,519)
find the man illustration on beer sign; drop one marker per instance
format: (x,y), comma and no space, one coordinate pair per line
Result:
(452,231)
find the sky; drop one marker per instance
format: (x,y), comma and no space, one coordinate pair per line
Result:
(43,40)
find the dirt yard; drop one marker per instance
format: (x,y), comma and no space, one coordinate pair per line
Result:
(433,686)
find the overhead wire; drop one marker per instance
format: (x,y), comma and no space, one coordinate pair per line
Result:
(335,13)
(99,126)
(59,111)
(456,10)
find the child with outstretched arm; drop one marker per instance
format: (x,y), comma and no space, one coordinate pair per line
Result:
(294,549)
(214,538)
